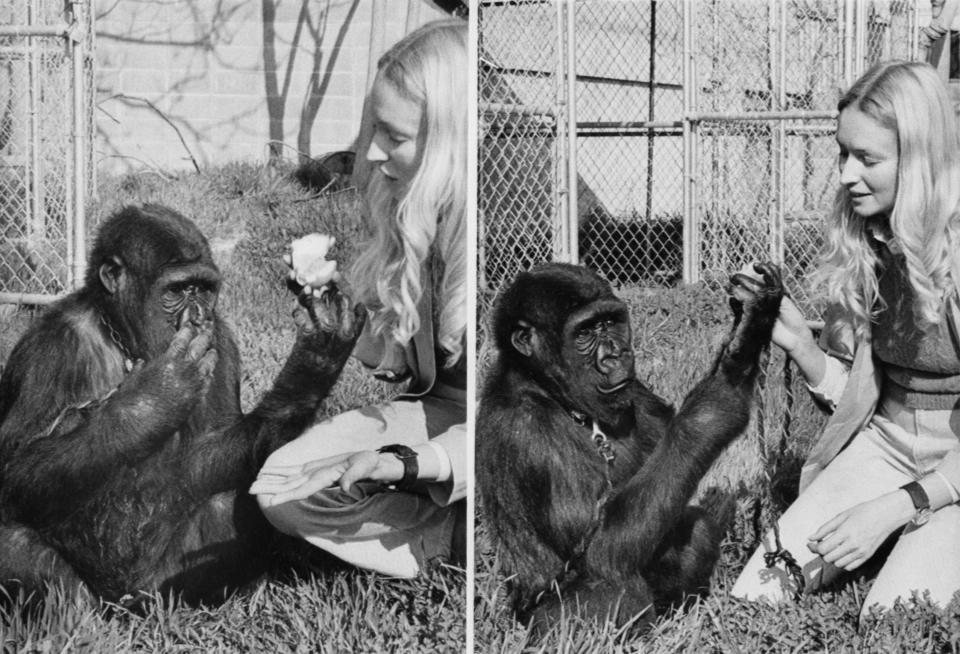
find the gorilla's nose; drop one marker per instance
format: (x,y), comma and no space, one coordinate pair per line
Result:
(193,314)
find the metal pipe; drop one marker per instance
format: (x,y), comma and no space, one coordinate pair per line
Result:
(573,218)
(861,36)
(57,31)
(522,109)
(79,164)
(651,102)
(33,178)
(690,246)
(757,116)
(29,298)
(620,82)
(559,144)
(848,42)
(630,124)
(777,237)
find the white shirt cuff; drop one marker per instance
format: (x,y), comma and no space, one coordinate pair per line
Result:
(830,388)
(446,468)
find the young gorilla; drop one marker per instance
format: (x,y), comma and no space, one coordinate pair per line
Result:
(584,473)
(125,455)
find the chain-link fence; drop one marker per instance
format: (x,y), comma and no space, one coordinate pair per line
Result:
(46,86)
(699,134)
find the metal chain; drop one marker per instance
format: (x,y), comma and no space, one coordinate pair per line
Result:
(780,553)
(115,337)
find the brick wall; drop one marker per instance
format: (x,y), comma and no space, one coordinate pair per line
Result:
(199,64)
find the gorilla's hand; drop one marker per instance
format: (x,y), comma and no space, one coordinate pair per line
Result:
(180,376)
(756,292)
(755,300)
(327,325)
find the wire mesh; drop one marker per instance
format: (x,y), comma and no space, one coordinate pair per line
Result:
(38,169)
(764,80)
(764,187)
(629,102)
(518,159)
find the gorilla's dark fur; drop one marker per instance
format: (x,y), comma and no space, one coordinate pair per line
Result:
(585,474)
(124,455)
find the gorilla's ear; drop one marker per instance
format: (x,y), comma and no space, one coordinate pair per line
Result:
(111,274)
(522,337)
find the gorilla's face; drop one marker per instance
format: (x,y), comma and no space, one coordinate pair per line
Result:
(597,353)
(181,295)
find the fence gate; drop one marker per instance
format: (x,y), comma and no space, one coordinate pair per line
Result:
(46,86)
(662,141)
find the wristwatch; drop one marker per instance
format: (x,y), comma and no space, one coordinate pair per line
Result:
(411,468)
(920,502)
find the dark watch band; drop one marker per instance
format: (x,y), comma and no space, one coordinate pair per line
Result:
(411,467)
(920,501)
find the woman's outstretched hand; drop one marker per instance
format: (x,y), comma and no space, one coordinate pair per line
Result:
(291,483)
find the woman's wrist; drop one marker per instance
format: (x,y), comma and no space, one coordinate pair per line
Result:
(899,507)
(810,359)
(390,468)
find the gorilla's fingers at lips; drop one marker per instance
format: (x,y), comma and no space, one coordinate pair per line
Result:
(181,340)
(200,345)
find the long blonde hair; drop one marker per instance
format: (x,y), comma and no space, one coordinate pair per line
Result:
(427,66)
(910,99)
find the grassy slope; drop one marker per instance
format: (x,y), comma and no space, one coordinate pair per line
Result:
(677,333)
(249,214)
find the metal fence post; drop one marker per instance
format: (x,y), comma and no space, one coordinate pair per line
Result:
(563,100)
(572,176)
(76,37)
(45,146)
(691,235)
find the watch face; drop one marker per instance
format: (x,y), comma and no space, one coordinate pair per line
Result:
(400,451)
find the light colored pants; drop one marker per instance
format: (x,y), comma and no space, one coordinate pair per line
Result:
(394,533)
(899,445)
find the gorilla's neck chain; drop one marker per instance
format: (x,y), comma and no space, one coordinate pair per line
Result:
(604,447)
(115,337)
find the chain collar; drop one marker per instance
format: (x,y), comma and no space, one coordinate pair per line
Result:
(600,439)
(115,337)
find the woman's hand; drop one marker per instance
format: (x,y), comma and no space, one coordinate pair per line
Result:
(791,332)
(291,483)
(850,539)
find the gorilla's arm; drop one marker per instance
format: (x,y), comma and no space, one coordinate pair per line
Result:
(231,457)
(640,515)
(63,431)
(645,510)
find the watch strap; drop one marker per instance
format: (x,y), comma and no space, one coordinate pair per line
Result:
(411,466)
(917,495)
(921,502)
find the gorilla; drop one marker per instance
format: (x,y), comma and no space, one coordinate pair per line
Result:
(586,476)
(124,454)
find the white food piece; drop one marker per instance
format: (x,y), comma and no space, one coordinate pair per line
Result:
(309,263)
(748,270)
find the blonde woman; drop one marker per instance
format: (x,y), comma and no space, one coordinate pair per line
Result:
(887,465)
(376,486)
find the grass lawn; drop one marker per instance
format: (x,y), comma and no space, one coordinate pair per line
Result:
(250,213)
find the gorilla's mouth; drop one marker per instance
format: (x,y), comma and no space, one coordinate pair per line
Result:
(608,390)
